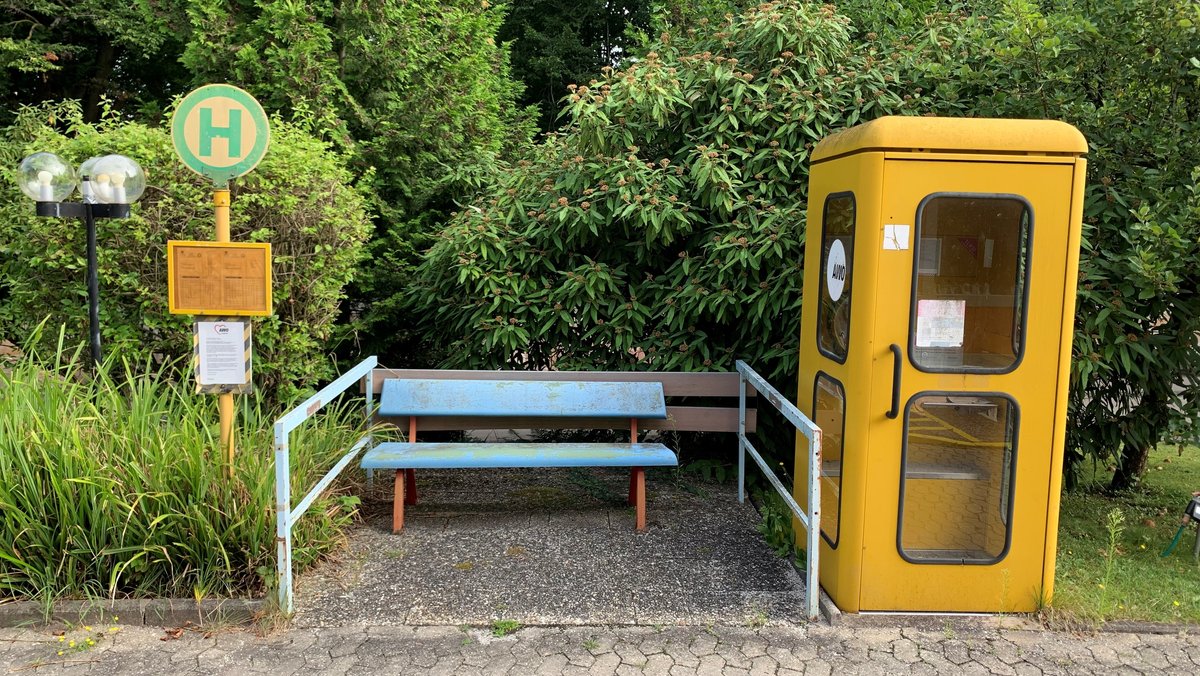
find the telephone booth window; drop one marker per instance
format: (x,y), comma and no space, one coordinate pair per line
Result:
(970,283)
(829,413)
(837,256)
(957,480)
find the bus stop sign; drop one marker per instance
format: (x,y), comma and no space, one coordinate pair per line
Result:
(220,131)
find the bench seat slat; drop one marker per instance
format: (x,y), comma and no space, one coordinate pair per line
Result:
(508,398)
(402,455)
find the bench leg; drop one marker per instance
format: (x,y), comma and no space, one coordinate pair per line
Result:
(639,481)
(632,487)
(398,502)
(410,487)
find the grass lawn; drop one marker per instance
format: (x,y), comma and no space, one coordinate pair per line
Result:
(1114,571)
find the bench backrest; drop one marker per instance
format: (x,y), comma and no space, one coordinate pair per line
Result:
(507,398)
(696,402)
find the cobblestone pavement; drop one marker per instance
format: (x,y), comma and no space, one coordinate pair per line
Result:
(674,651)
(700,593)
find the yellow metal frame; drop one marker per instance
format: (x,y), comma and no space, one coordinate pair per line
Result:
(890,165)
(264,247)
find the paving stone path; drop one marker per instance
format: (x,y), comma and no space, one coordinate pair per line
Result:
(700,593)
(669,651)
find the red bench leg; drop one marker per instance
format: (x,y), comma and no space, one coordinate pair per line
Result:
(410,487)
(632,487)
(398,502)
(639,481)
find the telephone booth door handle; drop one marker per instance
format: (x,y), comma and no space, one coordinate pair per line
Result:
(897,358)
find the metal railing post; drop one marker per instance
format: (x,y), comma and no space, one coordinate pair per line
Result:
(810,520)
(814,524)
(369,408)
(285,516)
(283,513)
(741,435)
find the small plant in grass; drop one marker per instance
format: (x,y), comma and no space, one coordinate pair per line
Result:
(776,524)
(710,469)
(757,621)
(504,627)
(1114,524)
(591,644)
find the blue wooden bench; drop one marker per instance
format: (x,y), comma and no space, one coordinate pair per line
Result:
(420,398)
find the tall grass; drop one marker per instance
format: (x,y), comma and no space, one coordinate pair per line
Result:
(112,485)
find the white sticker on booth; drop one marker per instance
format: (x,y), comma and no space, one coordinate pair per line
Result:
(895,236)
(835,270)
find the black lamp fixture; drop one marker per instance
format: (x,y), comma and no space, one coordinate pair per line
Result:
(108,185)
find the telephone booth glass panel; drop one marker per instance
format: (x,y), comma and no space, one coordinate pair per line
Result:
(971,258)
(956,481)
(837,255)
(830,398)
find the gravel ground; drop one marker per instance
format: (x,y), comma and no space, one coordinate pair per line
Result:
(554,547)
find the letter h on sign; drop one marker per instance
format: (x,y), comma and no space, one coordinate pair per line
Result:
(231,133)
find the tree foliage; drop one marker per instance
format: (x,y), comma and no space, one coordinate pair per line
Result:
(300,199)
(663,229)
(90,51)
(1127,74)
(418,94)
(560,42)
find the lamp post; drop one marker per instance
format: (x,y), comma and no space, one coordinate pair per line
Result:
(108,186)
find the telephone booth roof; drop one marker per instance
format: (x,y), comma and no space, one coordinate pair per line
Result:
(954,135)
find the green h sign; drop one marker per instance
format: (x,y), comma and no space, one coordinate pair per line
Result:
(220,131)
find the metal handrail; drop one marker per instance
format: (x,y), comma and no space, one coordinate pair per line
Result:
(286,516)
(810,520)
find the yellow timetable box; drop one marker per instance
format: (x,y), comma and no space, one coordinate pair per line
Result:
(219,278)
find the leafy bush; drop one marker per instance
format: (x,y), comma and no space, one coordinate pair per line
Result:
(663,229)
(299,198)
(1127,74)
(114,485)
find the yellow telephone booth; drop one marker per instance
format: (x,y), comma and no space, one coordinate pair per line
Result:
(939,289)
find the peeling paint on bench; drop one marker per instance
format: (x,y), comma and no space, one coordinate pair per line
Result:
(468,455)
(506,398)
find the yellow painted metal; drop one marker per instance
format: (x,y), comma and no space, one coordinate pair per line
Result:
(221,207)
(889,180)
(950,135)
(1070,283)
(225,399)
(244,266)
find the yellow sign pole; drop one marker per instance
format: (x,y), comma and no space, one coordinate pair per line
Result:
(225,399)
(212,113)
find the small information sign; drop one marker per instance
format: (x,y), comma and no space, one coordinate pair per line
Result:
(222,350)
(211,278)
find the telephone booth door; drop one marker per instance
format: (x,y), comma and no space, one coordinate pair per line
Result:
(968,333)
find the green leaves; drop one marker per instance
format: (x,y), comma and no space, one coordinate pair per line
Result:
(113,484)
(663,228)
